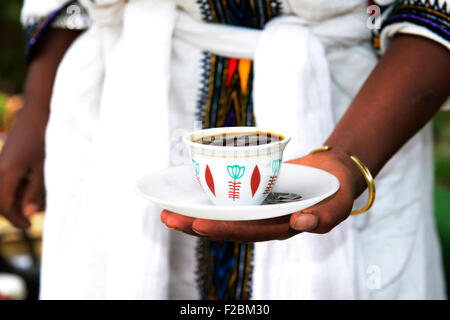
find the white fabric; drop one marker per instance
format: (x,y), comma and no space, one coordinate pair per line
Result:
(294,94)
(37,8)
(106,12)
(109,125)
(120,138)
(12,286)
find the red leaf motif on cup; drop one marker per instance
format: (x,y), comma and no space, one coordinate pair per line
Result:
(255,180)
(209,180)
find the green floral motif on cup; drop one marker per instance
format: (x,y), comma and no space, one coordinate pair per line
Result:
(196,167)
(276,166)
(236,172)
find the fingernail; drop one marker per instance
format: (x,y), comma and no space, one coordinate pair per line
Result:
(170,226)
(163,216)
(200,233)
(30,209)
(304,221)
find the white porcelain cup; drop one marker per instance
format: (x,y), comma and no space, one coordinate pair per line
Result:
(236,175)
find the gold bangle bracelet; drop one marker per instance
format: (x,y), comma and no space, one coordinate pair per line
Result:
(367,176)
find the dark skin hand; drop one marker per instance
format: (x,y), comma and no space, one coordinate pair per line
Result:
(22,191)
(400,96)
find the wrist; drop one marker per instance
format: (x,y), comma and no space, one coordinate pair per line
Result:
(347,164)
(32,118)
(359,183)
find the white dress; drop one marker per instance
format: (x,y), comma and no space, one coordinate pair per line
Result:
(128,88)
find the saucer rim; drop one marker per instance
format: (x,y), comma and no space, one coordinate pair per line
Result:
(261,208)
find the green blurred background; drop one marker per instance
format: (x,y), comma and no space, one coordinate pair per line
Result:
(12,71)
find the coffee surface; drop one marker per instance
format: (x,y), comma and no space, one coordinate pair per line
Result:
(239,139)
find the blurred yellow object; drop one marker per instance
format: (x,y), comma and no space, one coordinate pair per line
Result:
(12,241)
(9,107)
(37,225)
(35,231)
(12,106)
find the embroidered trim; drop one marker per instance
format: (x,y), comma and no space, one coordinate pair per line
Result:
(253,14)
(224,269)
(224,98)
(426,13)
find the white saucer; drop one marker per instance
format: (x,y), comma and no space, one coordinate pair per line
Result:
(175,189)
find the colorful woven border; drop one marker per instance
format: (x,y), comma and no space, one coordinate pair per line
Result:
(426,13)
(224,268)
(225,94)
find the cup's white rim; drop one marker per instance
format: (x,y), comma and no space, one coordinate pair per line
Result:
(212,131)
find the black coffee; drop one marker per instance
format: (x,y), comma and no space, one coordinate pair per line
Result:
(239,139)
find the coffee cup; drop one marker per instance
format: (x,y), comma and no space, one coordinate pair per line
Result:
(236,165)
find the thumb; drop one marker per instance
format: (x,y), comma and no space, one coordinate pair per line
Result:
(34,194)
(323,217)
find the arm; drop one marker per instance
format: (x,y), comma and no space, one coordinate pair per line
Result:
(22,190)
(43,67)
(389,109)
(393,106)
